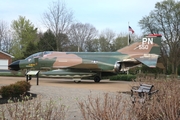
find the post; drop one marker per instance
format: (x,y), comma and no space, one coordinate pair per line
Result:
(27,78)
(26,75)
(128,35)
(37,75)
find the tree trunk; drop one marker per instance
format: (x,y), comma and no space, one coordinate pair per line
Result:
(172,68)
(57,44)
(176,70)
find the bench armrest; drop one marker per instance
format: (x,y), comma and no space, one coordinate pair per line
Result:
(155,91)
(135,87)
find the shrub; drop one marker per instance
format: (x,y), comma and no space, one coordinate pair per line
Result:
(123,77)
(25,84)
(6,91)
(106,107)
(165,105)
(15,90)
(33,109)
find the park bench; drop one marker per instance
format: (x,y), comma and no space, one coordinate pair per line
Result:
(143,91)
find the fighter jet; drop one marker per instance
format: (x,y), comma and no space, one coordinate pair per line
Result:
(79,65)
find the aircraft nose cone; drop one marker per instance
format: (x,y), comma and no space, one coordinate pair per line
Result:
(14,66)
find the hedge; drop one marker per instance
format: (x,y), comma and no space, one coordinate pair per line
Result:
(123,77)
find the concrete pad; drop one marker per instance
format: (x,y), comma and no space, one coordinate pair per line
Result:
(106,85)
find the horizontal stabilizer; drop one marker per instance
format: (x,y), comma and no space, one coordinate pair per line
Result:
(149,60)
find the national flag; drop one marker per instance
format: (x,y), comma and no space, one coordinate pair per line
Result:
(130,29)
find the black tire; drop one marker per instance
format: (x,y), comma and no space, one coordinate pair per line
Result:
(97,79)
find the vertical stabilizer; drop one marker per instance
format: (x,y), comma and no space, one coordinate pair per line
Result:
(146,51)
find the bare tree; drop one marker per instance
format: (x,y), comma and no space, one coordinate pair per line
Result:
(5,37)
(106,39)
(148,24)
(108,34)
(80,33)
(58,19)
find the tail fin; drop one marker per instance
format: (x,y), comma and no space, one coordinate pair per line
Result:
(147,51)
(149,44)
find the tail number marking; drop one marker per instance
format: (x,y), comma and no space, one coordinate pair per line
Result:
(145,43)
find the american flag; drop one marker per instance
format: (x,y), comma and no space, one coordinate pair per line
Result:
(130,29)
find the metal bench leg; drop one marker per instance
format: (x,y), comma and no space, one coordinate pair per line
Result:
(141,94)
(133,99)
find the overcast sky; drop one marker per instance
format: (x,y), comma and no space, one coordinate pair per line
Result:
(102,14)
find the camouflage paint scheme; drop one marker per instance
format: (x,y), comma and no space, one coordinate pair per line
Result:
(78,65)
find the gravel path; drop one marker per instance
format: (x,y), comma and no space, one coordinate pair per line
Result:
(69,93)
(67,96)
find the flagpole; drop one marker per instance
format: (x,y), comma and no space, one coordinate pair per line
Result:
(128,34)
(128,44)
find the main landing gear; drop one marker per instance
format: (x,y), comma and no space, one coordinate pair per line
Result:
(97,79)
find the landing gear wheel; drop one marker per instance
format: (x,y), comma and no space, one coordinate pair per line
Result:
(77,81)
(97,79)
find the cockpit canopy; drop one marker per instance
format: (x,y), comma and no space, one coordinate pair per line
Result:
(39,54)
